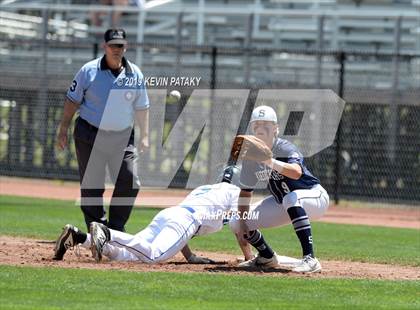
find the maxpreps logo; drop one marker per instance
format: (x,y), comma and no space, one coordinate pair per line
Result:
(321,112)
(226,216)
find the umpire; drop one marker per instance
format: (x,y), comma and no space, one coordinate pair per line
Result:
(109,93)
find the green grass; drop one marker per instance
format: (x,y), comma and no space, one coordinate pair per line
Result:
(41,218)
(44,218)
(334,242)
(53,288)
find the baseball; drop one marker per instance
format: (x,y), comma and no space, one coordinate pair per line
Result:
(175,94)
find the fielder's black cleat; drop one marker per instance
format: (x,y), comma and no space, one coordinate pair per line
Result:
(100,235)
(70,237)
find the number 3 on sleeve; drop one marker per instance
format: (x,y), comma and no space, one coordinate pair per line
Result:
(73,85)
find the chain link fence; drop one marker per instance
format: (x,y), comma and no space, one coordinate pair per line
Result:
(375,154)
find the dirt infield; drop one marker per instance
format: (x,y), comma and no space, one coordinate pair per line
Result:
(29,252)
(374,216)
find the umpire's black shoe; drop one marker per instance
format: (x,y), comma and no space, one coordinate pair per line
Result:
(70,237)
(100,235)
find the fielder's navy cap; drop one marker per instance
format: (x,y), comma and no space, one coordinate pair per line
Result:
(115,36)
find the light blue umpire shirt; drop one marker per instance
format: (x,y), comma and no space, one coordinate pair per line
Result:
(106,101)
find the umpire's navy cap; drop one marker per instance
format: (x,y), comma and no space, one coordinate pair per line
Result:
(115,36)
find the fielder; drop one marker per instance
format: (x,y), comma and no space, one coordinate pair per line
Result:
(200,213)
(296,195)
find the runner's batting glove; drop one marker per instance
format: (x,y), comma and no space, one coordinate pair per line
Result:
(194,259)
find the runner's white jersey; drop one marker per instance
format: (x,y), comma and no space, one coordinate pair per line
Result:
(210,203)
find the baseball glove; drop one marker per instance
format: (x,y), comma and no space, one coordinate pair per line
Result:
(247,147)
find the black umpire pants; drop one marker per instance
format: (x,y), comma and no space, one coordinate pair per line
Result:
(96,150)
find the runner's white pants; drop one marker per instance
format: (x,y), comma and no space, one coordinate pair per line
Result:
(169,231)
(315,201)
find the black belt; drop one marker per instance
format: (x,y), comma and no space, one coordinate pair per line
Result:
(87,124)
(96,129)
